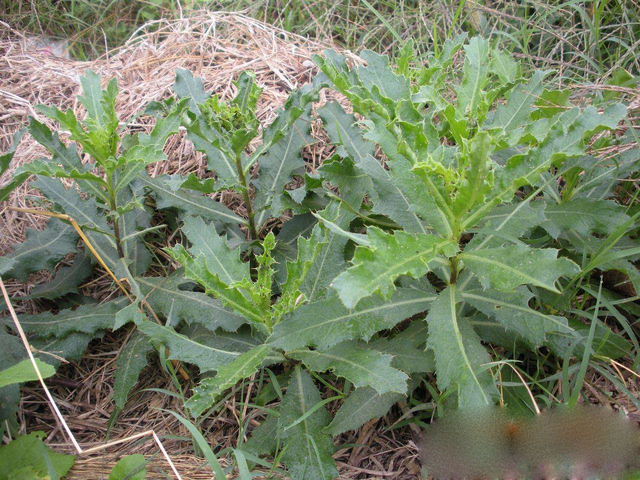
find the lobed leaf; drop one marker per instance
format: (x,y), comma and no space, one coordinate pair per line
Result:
(505,268)
(130,363)
(327,322)
(459,355)
(362,367)
(210,389)
(41,250)
(309,450)
(388,256)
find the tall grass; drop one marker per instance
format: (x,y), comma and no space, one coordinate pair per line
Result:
(584,40)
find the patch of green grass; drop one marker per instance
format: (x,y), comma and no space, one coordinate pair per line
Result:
(583,40)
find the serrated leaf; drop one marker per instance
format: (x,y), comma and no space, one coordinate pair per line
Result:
(186,86)
(210,389)
(476,68)
(343,131)
(327,322)
(360,366)
(505,268)
(66,280)
(264,438)
(585,216)
(219,258)
(86,213)
(308,454)
(232,297)
(362,405)
(69,347)
(518,108)
(459,355)
(167,299)
(330,261)
(504,66)
(188,203)
(406,357)
(130,363)
(41,250)
(390,200)
(85,319)
(512,310)
(24,372)
(135,252)
(277,165)
(508,222)
(376,267)
(30,451)
(184,349)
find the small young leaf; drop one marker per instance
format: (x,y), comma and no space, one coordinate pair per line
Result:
(30,451)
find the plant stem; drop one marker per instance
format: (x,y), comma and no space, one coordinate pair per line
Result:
(247,200)
(113,206)
(453,261)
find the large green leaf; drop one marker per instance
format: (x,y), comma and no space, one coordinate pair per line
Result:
(364,404)
(188,203)
(184,349)
(504,268)
(389,198)
(387,256)
(29,454)
(476,69)
(309,450)
(282,159)
(513,114)
(24,372)
(512,310)
(210,389)
(459,355)
(343,131)
(167,298)
(130,363)
(361,366)
(41,250)
(219,258)
(232,297)
(584,216)
(327,322)
(66,280)
(85,319)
